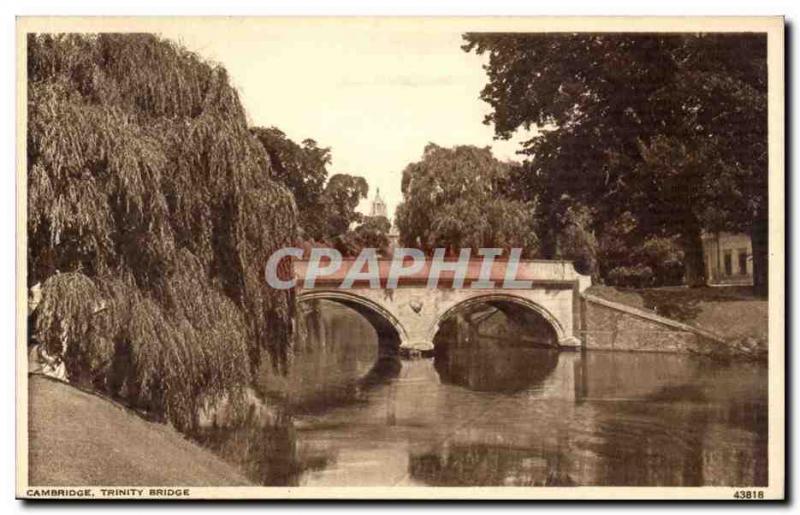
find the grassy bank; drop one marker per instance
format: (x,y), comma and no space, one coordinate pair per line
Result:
(77,438)
(733,313)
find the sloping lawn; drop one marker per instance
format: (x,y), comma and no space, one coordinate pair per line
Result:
(80,439)
(731,312)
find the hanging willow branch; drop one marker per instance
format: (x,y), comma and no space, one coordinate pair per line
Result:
(148,195)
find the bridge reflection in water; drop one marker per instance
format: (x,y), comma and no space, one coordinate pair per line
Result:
(492,407)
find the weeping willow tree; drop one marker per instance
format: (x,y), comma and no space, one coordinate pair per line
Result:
(151,213)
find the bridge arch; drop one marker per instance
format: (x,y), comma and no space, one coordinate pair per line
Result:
(386,325)
(489,298)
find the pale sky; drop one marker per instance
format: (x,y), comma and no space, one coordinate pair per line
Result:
(376,93)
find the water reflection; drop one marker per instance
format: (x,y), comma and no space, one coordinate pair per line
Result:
(489,411)
(266,451)
(383,371)
(490,465)
(492,366)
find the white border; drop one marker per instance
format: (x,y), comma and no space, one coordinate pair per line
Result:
(776,157)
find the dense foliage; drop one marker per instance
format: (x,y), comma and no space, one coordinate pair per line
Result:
(341,197)
(326,205)
(457,198)
(669,129)
(372,232)
(151,213)
(303,168)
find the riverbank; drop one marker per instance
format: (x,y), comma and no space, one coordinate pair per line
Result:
(734,314)
(79,438)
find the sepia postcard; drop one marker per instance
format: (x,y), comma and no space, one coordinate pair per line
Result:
(400,258)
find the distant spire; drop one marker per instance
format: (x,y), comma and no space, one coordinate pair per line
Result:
(378,205)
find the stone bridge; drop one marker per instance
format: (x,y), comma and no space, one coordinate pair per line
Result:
(412,312)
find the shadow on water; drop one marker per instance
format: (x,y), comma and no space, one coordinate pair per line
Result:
(700,434)
(493,410)
(266,447)
(266,451)
(662,431)
(336,368)
(489,465)
(382,372)
(495,348)
(492,367)
(471,356)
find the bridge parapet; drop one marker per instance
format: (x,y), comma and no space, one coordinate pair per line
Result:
(539,272)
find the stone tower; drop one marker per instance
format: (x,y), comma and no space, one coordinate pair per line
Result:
(378,205)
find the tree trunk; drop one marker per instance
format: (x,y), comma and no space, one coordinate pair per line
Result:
(548,238)
(547,227)
(759,236)
(695,270)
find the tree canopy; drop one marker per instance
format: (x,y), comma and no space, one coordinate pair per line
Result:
(302,168)
(372,232)
(326,205)
(667,128)
(455,198)
(151,212)
(340,199)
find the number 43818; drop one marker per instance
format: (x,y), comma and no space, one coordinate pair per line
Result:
(745,495)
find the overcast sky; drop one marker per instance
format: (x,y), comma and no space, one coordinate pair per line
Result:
(376,93)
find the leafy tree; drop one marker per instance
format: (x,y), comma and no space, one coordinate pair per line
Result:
(373,233)
(150,214)
(455,198)
(326,207)
(668,127)
(664,256)
(624,259)
(303,169)
(341,197)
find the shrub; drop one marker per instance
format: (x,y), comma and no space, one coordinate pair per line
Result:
(665,256)
(636,276)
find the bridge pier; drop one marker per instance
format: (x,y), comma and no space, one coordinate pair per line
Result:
(416,349)
(570,343)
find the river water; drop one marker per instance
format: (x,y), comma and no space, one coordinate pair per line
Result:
(491,411)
